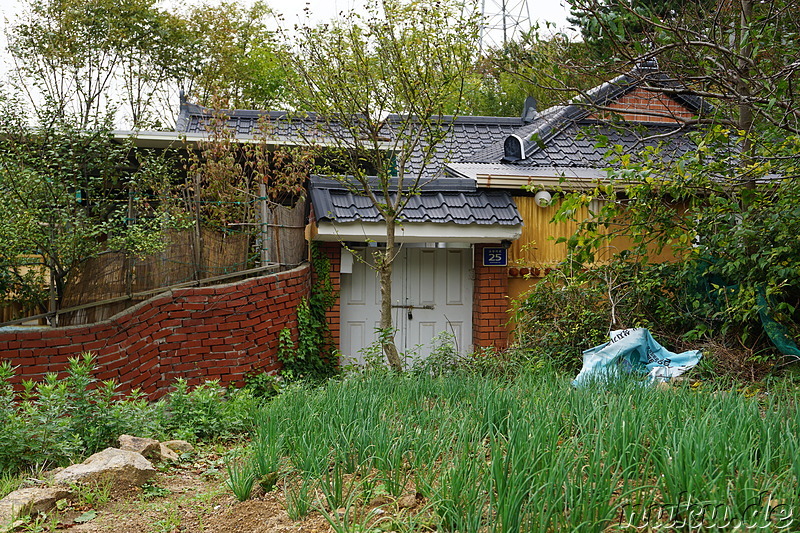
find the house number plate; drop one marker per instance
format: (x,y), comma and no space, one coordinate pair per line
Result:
(495,257)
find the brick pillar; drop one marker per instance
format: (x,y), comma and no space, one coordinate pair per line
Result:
(333,251)
(489,303)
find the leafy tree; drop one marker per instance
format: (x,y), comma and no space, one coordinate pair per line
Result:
(534,65)
(73,60)
(228,52)
(66,196)
(409,58)
(734,54)
(737,192)
(66,53)
(607,24)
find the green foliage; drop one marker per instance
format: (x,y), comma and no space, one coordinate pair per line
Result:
(513,454)
(560,317)
(735,244)
(66,195)
(261,384)
(313,357)
(72,57)
(207,412)
(531,66)
(241,59)
(607,25)
(58,420)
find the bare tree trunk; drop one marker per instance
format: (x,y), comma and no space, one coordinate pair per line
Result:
(745,46)
(385,267)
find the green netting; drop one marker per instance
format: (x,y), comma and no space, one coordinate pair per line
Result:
(709,284)
(778,333)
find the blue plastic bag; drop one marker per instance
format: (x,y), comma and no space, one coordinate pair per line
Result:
(634,350)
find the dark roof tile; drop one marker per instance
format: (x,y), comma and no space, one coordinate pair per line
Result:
(445,205)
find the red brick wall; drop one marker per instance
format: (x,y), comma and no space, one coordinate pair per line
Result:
(490,303)
(333,251)
(658,107)
(203,333)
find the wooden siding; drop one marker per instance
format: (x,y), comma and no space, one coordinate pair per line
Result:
(537,245)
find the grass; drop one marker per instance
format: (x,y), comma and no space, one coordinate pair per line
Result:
(535,454)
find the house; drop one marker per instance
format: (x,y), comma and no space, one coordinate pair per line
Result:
(440,281)
(476,222)
(559,150)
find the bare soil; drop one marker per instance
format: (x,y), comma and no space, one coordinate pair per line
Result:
(192,496)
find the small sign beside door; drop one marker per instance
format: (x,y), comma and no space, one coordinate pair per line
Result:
(495,257)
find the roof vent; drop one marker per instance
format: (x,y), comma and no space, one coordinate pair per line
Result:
(513,148)
(529,112)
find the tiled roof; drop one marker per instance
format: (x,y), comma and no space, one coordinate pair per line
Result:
(453,200)
(565,136)
(579,144)
(466,134)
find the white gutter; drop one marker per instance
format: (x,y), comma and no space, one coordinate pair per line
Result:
(176,140)
(417,232)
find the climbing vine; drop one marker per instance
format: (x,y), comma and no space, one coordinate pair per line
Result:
(313,357)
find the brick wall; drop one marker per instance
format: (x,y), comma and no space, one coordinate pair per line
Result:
(220,332)
(490,303)
(658,107)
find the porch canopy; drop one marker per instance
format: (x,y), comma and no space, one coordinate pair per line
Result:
(448,210)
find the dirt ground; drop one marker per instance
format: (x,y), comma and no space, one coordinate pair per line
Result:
(192,496)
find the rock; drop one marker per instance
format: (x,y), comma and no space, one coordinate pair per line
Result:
(166,454)
(149,448)
(178,446)
(407,502)
(124,468)
(24,502)
(379,500)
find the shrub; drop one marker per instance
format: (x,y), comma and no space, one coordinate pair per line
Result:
(559,318)
(209,411)
(58,420)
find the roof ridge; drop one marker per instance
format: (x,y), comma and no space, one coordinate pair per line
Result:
(581,106)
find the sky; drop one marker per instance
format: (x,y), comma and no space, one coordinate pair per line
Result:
(300,12)
(526,12)
(320,10)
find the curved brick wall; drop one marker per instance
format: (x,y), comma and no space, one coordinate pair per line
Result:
(202,333)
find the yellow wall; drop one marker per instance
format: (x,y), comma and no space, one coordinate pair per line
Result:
(537,246)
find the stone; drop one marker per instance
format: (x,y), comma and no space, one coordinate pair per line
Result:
(149,448)
(166,454)
(24,502)
(123,468)
(179,446)
(407,502)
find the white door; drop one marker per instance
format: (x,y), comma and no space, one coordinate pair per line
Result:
(431,293)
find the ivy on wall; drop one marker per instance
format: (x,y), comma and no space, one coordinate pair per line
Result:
(313,357)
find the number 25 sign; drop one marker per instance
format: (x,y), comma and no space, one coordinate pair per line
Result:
(495,257)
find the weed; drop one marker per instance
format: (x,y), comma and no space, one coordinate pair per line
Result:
(9,483)
(241,475)
(151,491)
(169,523)
(93,494)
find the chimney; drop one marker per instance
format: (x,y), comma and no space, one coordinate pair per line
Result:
(529,112)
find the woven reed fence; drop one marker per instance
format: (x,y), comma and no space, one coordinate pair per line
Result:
(113,275)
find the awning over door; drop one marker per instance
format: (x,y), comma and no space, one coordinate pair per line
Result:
(444,210)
